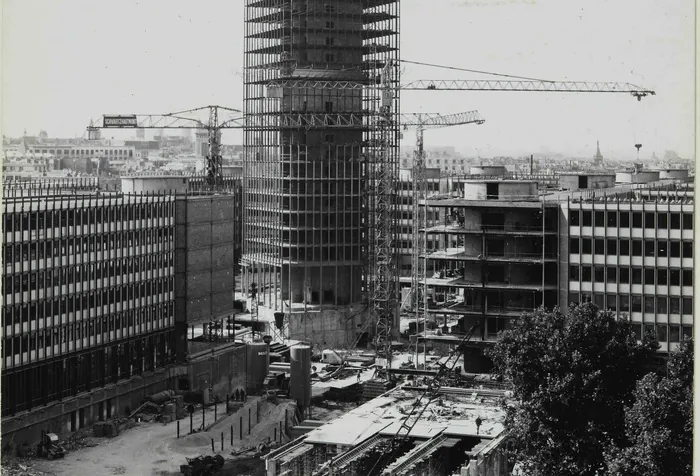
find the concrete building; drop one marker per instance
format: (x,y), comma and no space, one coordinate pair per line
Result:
(492,256)
(305,156)
(585,180)
(99,291)
(461,432)
(504,248)
(633,254)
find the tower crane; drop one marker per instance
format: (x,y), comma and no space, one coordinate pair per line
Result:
(381,247)
(180,120)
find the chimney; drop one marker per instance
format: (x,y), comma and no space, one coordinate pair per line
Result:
(532,163)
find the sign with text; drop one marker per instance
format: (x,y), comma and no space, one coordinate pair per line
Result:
(120,121)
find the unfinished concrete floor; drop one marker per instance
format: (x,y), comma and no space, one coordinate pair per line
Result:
(152,449)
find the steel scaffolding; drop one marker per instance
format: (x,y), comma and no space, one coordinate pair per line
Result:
(321,162)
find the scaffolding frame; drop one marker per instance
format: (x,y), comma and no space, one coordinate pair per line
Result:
(321,163)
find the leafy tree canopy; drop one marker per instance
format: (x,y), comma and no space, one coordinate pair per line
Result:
(572,375)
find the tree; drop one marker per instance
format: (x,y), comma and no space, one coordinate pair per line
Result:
(572,376)
(659,425)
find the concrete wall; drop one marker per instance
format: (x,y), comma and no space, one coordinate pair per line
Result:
(121,398)
(571,181)
(224,371)
(492,170)
(328,327)
(673,174)
(639,177)
(476,190)
(205,261)
(153,184)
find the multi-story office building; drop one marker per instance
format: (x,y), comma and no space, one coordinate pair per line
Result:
(308,151)
(633,254)
(99,291)
(504,248)
(88,289)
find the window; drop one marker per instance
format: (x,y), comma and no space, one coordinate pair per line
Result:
(599,246)
(586,246)
(330,58)
(687,221)
(575,218)
(611,302)
(586,274)
(624,275)
(612,274)
(636,247)
(612,219)
(624,248)
(662,248)
(675,249)
(675,221)
(330,41)
(649,304)
(674,305)
(599,219)
(662,221)
(649,248)
(636,275)
(661,277)
(649,276)
(661,304)
(624,220)
(624,303)
(574,246)
(330,25)
(636,219)
(573,298)
(330,8)
(688,306)
(573,273)
(587,218)
(637,329)
(687,277)
(649,220)
(599,272)
(661,332)
(612,247)
(636,303)
(675,334)
(687,332)
(675,277)
(687,249)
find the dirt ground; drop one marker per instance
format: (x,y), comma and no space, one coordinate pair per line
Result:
(152,449)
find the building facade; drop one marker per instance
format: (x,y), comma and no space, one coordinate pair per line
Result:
(633,254)
(99,291)
(88,295)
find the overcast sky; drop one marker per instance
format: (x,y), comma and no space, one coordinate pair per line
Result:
(65,61)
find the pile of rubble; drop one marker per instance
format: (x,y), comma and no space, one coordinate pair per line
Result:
(18,467)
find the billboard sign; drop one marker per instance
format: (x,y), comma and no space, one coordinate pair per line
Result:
(120,121)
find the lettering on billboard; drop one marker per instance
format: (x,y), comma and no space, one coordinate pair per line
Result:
(119,121)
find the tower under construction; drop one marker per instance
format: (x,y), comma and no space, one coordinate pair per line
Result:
(321,161)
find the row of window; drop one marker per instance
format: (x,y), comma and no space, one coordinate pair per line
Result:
(623,219)
(623,247)
(636,303)
(86,328)
(92,243)
(29,281)
(40,220)
(113,152)
(633,275)
(45,309)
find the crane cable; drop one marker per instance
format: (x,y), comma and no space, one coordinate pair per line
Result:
(475,71)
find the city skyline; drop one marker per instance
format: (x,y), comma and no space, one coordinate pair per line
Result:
(64,64)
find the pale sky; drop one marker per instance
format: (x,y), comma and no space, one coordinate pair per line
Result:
(66,61)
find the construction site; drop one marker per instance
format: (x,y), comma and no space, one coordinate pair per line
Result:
(326,313)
